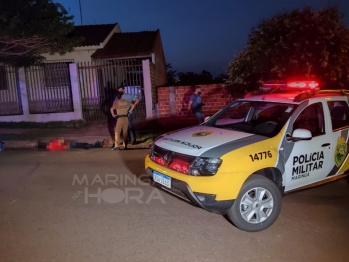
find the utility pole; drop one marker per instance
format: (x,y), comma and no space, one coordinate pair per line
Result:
(80,11)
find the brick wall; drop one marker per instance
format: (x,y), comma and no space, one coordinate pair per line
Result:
(214,97)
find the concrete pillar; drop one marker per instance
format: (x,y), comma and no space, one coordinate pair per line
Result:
(76,95)
(172,101)
(23,93)
(147,89)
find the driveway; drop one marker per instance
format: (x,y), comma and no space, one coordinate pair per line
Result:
(97,205)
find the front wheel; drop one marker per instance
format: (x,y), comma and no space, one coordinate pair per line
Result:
(257,206)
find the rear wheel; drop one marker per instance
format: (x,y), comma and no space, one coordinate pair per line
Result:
(257,206)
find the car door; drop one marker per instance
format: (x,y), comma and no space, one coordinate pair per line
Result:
(339,118)
(309,159)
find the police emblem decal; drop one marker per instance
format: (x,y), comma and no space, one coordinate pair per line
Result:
(203,133)
(340,152)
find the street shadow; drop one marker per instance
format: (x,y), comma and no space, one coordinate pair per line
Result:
(295,192)
(146,131)
(347,179)
(185,100)
(109,95)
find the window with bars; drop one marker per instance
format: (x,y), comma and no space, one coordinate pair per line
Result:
(57,75)
(3,78)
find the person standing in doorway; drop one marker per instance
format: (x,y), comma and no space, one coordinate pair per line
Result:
(123,109)
(195,105)
(132,99)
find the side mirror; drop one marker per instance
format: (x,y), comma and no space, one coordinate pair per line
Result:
(299,135)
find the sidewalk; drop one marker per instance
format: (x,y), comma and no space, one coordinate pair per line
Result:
(90,133)
(146,132)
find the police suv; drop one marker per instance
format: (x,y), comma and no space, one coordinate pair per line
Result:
(242,160)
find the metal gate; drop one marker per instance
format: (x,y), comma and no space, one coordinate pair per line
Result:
(49,88)
(10,99)
(99,81)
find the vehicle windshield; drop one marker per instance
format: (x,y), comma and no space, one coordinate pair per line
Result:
(255,117)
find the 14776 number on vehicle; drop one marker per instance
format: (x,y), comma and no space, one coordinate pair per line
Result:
(261,156)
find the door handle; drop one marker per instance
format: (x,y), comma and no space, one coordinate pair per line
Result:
(326,144)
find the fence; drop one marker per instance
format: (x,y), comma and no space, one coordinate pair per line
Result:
(38,91)
(49,88)
(10,100)
(99,80)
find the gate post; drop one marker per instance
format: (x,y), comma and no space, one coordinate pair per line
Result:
(147,89)
(23,92)
(76,97)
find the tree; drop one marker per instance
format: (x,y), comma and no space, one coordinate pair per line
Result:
(29,28)
(300,43)
(171,74)
(221,78)
(191,78)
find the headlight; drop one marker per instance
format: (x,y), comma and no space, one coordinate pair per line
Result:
(205,166)
(151,153)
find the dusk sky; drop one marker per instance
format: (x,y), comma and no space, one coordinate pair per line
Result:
(196,34)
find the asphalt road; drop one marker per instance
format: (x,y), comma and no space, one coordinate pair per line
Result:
(50,211)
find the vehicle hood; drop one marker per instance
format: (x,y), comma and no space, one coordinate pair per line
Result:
(197,140)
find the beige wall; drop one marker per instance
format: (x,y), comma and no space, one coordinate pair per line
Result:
(77,55)
(82,54)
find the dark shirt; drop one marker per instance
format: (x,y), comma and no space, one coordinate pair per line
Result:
(196,105)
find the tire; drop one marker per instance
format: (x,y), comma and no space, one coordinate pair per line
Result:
(255,186)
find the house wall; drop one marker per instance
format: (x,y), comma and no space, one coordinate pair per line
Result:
(77,55)
(173,102)
(82,53)
(158,72)
(160,64)
(27,117)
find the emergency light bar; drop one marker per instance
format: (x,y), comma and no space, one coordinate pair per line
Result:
(290,85)
(273,85)
(270,87)
(303,84)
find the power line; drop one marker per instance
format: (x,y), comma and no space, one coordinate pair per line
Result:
(80,11)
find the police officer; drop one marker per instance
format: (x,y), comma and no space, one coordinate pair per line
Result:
(131,98)
(122,108)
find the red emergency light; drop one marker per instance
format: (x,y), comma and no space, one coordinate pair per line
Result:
(269,87)
(303,84)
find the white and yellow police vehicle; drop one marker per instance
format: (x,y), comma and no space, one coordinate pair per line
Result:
(242,160)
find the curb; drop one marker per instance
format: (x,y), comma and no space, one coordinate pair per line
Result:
(19,144)
(30,144)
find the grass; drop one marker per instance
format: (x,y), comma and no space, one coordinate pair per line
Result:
(16,137)
(148,133)
(76,124)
